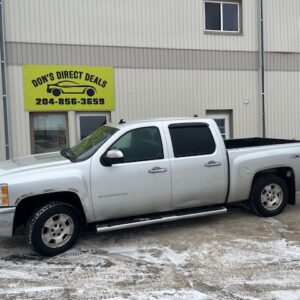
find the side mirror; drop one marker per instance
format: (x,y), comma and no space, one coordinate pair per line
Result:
(112,157)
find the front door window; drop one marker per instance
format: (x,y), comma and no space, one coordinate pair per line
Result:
(140,144)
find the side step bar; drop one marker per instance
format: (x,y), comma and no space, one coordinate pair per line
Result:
(168,217)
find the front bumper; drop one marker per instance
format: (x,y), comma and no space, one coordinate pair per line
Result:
(7,215)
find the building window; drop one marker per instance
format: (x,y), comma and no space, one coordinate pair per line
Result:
(223,121)
(222,16)
(88,122)
(49,132)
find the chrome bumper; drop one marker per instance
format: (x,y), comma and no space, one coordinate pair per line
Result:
(7,215)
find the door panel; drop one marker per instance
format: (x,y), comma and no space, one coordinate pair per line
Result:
(194,184)
(129,189)
(199,174)
(140,185)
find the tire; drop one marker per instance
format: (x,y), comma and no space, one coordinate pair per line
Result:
(90,92)
(269,195)
(53,228)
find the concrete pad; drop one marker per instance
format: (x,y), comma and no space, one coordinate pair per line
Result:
(233,256)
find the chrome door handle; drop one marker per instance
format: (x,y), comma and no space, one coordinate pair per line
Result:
(213,163)
(157,170)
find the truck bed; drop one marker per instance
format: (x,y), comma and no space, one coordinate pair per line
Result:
(256,141)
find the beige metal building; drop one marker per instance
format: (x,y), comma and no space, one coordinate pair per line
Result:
(170,58)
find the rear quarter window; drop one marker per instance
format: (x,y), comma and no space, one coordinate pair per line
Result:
(191,140)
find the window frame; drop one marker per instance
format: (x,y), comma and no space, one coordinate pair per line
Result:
(31,117)
(224,117)
(88,114)
(139,161)
(222,31)
(227,116)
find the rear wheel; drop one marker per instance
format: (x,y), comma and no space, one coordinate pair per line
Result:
(53,228)
(269,195)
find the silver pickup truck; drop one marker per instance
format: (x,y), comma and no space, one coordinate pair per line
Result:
(138,173)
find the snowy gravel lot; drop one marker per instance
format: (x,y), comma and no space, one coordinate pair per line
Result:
(231,256)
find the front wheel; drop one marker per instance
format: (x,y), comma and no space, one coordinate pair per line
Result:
(269,195)
(53,228)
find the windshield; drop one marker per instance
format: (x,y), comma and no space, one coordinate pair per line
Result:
(88,146)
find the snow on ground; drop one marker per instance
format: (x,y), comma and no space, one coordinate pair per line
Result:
(233,256)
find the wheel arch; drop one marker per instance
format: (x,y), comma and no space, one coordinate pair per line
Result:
(28,205)
(286,173)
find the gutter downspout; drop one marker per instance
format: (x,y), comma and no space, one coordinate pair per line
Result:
(261,65)
(4,81)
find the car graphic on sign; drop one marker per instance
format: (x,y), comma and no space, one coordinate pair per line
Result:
(70,87)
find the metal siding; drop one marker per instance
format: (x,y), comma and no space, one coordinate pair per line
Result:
(282,104)
(130,57)
(171,80)
(19,119)
(281,25)
(158,93)
(282,61)
(177,24)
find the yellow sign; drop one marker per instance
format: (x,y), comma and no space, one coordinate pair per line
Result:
(50,87)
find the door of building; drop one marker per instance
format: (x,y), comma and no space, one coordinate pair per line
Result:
(89,122)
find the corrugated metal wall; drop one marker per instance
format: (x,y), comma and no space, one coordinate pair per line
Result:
(136,23)
(133,57)
(19,119)
(282,37)
(282,25)
(144,93)
(162,66)
(158,93)
(283,104)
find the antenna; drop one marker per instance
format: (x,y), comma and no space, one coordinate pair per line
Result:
(122,121)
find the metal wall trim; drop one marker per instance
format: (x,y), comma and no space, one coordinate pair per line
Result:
(130,57)
(148,58)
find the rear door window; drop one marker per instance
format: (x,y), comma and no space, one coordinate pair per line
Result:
(191,139)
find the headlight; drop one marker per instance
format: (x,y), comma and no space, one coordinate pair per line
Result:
(3,195)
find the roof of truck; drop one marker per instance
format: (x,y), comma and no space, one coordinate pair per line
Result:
(125,122)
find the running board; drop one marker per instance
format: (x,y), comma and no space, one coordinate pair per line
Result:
(167,217)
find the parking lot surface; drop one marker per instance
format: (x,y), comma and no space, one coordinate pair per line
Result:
(232,256)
